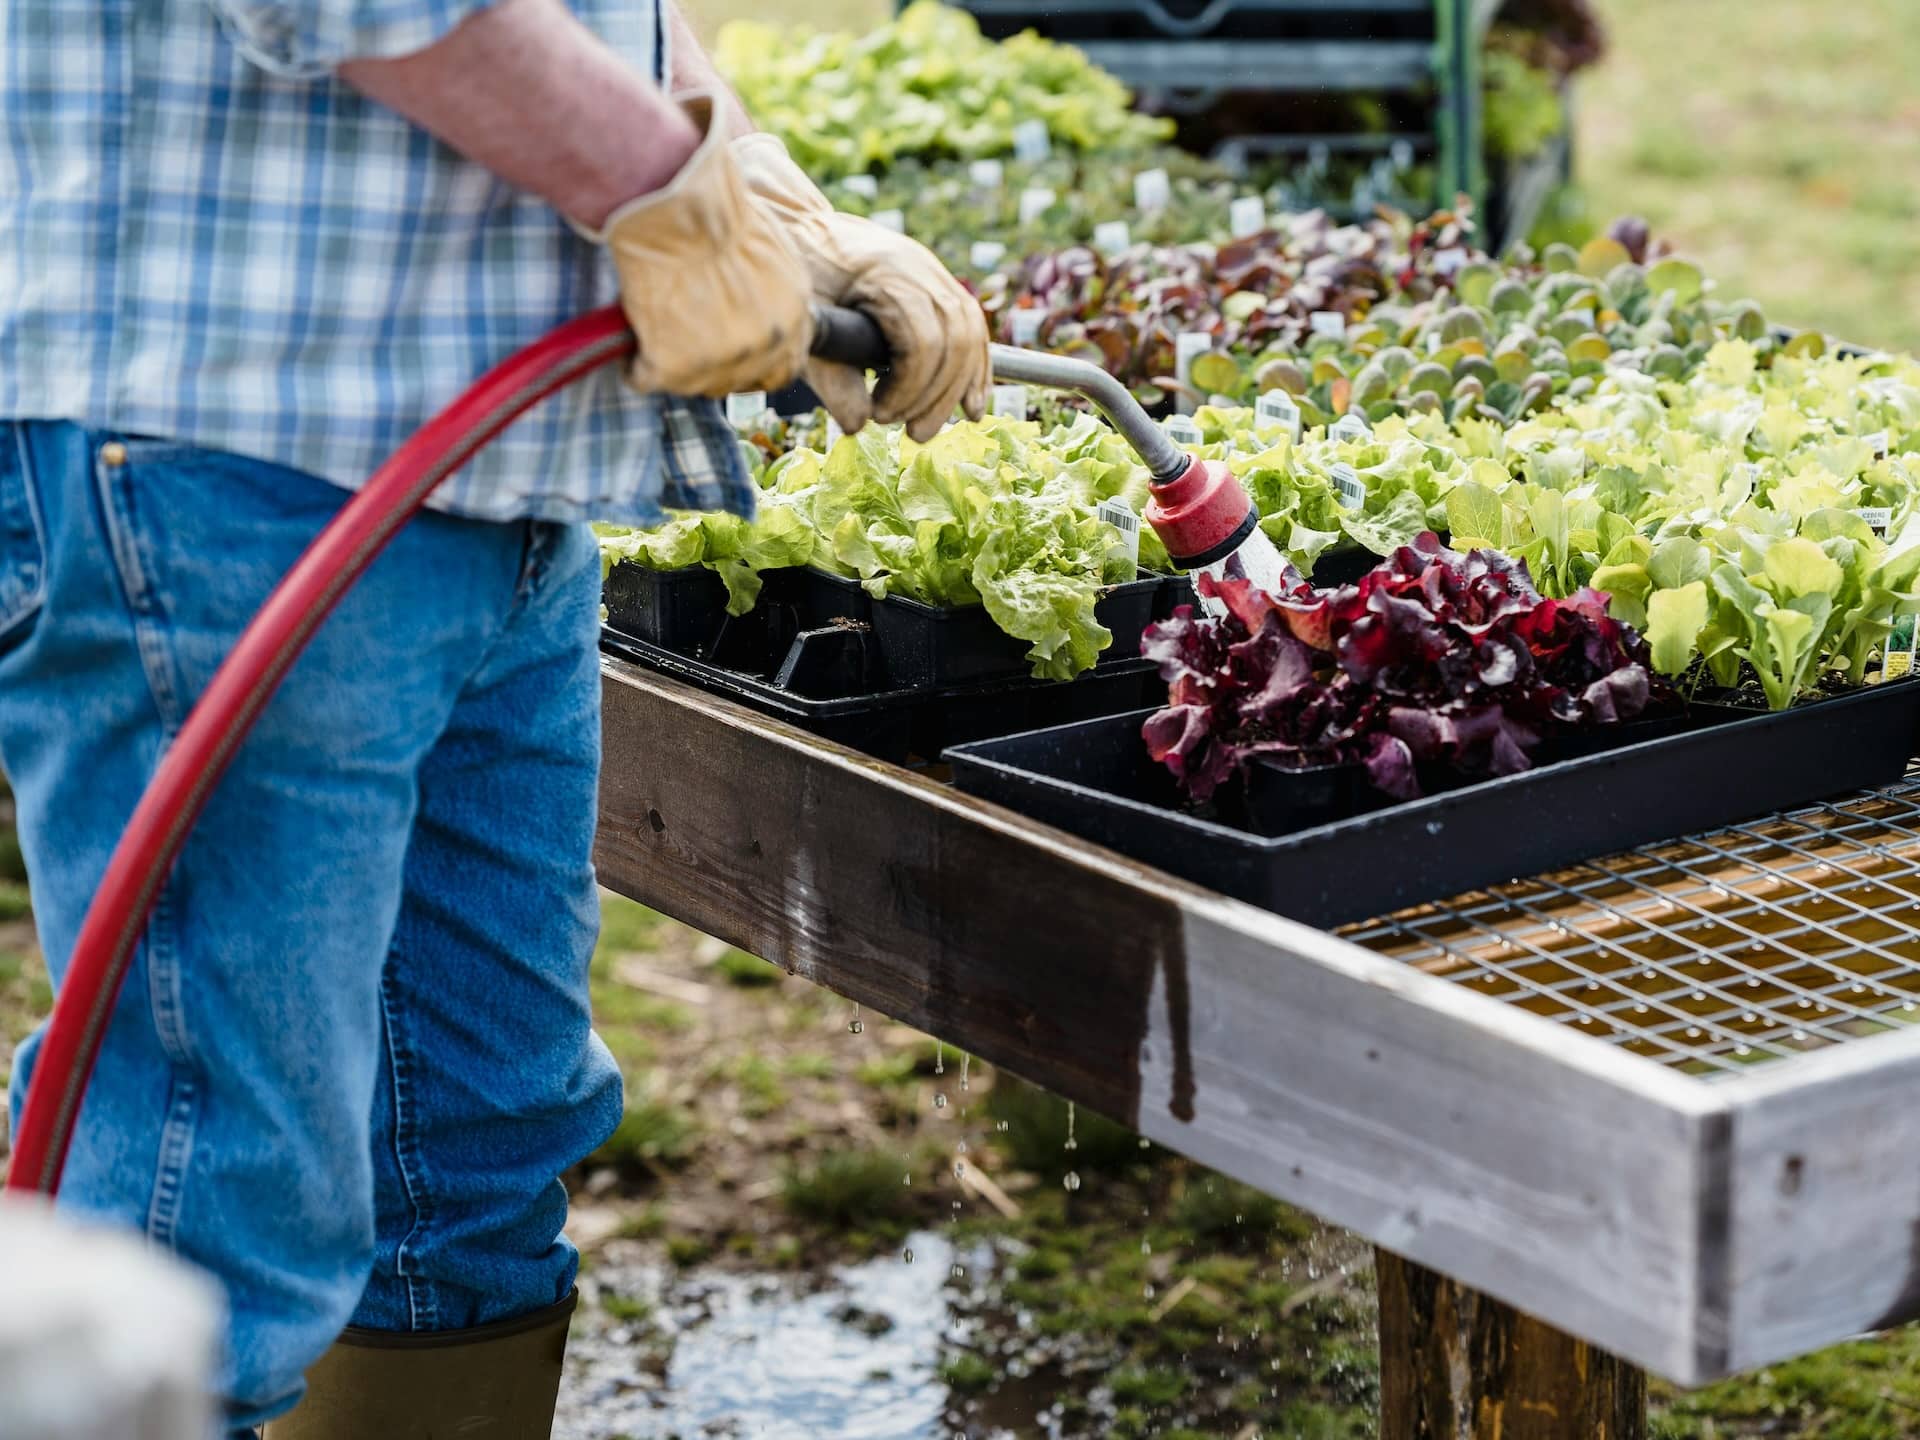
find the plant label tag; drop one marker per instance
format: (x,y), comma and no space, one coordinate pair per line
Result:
(1348,487)
(1152,191)
(1025,325)
(745,408)
(1188,345)
(986,254)
(1897,663)
(1881,442)
(863,185)
(1031,142)
(1119,514)
(1401,153)
(1110,237)
(1010,401)
(1035,201)
(1181,429)
(890,220)
(1247,216)
(1277,411)
(1878,517)
(1350,427)
(1330,323)
(987,174)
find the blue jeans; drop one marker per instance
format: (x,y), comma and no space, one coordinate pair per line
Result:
(353,1052)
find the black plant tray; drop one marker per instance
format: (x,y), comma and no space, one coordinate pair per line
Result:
(922,646)
(910,646)
(1723,764)
(818,683)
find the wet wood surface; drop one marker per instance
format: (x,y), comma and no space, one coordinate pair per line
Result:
(1458,1365)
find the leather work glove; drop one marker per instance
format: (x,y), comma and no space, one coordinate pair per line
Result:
(935,329)
(710,282)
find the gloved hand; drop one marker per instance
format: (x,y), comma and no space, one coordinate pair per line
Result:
(709,280)
(935,329)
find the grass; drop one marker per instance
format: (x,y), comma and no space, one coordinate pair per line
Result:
(846,1189)
(749,972)
(651,1135)
(1776,141)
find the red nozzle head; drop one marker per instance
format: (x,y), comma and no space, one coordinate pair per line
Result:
(1202,514)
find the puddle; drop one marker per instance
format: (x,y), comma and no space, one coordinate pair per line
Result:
(854,1353)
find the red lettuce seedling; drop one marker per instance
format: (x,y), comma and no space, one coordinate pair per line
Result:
(1433,657)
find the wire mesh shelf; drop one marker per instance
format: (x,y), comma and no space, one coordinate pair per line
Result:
(1711,953)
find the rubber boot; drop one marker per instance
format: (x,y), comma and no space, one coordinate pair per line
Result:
(492,1382)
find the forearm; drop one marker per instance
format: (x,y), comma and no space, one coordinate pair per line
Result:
(527,91)
(693,70)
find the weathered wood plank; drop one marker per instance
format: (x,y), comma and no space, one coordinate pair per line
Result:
(1822,1234)
(1539,1166)
(1458,1365)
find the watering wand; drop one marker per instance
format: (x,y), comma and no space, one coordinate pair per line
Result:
(1205,519)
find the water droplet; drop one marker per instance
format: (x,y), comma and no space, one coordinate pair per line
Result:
(1072,1180)
(961,1148)
(939,1057)
(940,1100)
(906,1179)
(959,1169)
(1146,1247)
(907,1256)
(1743,1049)
(958,1272)
(1072,1144)
(1000,1125)
(1799,1035)
(1145,1144)
(966,1059)
(1693,1032)
(1434,827)
(1699,995)
(854,1026)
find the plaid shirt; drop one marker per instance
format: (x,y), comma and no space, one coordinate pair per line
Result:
(205,237)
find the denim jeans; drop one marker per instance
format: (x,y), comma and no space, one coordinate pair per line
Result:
(353,1051)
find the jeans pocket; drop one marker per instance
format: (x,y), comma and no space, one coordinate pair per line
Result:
(23,549)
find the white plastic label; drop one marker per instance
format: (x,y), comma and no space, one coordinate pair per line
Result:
(986,254)
(1276,410)
(1188,345)
(1347,485)
(1878,518)
(987,174)
(1119,514)
(1025,325)
(1181,429)
(1349,427)
(1010,401)
(1882,443)
(1035,201)
(1110,237)
(1402,155)
(862,185)
(1152,191)
(890,219)
(1031,142)
(1247,216)
(745,408)
(1330,323)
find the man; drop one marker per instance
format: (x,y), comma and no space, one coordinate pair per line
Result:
(246,247)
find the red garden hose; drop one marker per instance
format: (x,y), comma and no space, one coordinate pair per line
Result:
(246,680)
(239,691)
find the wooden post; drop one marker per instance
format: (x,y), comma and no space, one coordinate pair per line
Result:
(1459,1365)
